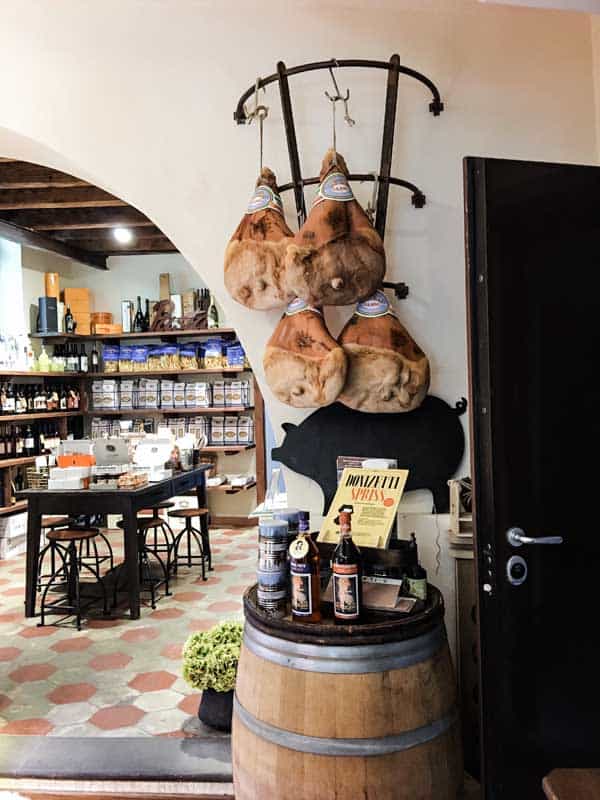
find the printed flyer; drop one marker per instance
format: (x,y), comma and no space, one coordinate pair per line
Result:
(374,495)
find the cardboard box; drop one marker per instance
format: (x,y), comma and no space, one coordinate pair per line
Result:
(108,330)
(165,286)
(76,295)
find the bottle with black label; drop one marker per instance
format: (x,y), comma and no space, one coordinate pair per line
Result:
(147,316)
(305,577)
(95,358)
(8,405)
(29,442)
(212,315)
(347,574)
(69,322)
(138,322)
(83,359)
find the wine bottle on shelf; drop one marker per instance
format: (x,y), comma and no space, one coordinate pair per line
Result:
(138,322)
(347,574)
(19,443)
(95,358)
(30,399)
(147,316)
(212,316)
(9,400)
(69,321)
(83,360)
(62,400)
(29,442)
(305,574)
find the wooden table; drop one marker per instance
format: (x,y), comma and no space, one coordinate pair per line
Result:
(125,502)
(572,784)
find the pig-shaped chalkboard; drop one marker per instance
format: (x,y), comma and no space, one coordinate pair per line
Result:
(428,441)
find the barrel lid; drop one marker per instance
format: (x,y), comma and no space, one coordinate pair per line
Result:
(378,628)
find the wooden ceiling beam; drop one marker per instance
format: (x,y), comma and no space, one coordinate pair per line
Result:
(41,242)
(138,245)
(72,218)
(102,234)
(22,175)
(71,197)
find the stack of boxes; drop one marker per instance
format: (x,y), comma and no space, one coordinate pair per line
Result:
(78,301)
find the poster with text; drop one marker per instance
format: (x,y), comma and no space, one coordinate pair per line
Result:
(374,495)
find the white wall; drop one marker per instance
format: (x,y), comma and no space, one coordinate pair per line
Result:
(137,97)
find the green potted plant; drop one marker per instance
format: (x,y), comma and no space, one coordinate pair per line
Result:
(210,662)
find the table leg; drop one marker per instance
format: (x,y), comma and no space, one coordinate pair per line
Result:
(131,560)
(34,523)
(201,491)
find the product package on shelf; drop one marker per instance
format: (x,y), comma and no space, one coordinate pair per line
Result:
(235,355)
(128,391)
(218,394)
(148,393)
(237,393)
(110,357)
(179,395)
(217,430)
(166,394)
(139,358)
(197,395)
(245,430)
(213,354)
(230,429)
(126,358)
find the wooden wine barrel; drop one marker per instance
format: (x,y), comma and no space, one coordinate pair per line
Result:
(360,711)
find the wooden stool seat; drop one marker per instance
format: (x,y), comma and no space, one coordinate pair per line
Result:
(146,523)
(572,784)
(186,513)
(72,534)
(153,510)
(53,522)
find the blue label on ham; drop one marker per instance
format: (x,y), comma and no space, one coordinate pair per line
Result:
(334,187)
(298,305)
(375,306)
(264,197)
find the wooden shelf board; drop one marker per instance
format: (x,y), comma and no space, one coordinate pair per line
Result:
(227,489)
(32,374)
(142,412)
(42,415)
(227,448)
(21,505)
(16,462)
(173,334)
(179,372)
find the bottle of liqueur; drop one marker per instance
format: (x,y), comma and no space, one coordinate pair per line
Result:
(138,322)
(416,581)
(305,574)
(212,316)
(347,574)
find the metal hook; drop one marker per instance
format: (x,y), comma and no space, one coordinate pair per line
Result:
(260,112)
(338,96)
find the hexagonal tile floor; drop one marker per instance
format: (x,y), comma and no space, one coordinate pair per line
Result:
(116,677)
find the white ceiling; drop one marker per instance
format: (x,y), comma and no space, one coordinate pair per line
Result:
(589,6)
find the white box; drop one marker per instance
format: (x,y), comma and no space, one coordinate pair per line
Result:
(218,394)
(230,430)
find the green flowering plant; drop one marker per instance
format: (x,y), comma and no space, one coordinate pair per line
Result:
(210,658)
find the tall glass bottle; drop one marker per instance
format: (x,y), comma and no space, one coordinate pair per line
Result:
(147,316)
(212,316)
(347,575)
(138,321)
(305,574)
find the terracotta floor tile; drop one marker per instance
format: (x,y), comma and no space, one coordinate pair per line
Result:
(167,613)
(140,635)
(172,652)
(32,672)
(72,693)
(237,590)
(224,605)
(190,704)
(72,645)
(15,591)
(27,727)
(224,567)
(188,597)
(116,717)
(202,624)
(104,623)
(11,616)
(152,681)
(212,581)
(110,661)
(9,653)
(5,701)
(36,633)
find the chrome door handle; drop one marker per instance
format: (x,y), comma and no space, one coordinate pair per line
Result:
(516,537)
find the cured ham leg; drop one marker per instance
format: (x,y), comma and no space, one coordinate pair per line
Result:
(387,370)
(254,271)
(304,365)
(337,256)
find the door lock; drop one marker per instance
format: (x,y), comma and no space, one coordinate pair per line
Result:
(516,537)
(516,570)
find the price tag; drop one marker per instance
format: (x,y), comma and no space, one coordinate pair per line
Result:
(299,547)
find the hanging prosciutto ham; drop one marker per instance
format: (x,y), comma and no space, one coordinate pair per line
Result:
(337,256)
(254,271)
(387,370)
(304,365)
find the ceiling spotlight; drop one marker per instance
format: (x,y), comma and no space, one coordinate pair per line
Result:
(123,235)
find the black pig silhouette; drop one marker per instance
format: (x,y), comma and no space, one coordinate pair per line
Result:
(428,441)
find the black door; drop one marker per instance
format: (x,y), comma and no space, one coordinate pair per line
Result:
(533,285)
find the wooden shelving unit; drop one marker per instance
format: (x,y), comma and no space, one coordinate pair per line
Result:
(5,418)
(227,448)
(33,374)
(15,508)
(172,334)
(159,373)
(22,461)
(225,488)
(170,412)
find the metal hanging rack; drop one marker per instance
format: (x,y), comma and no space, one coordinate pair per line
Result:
(384,177)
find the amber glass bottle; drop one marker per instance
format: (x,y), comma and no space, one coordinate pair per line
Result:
(347,575)
(305,574)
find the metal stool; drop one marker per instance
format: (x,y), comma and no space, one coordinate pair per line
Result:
(64,542)
(49,524)
(157,524)
(191,534)
(147,579)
